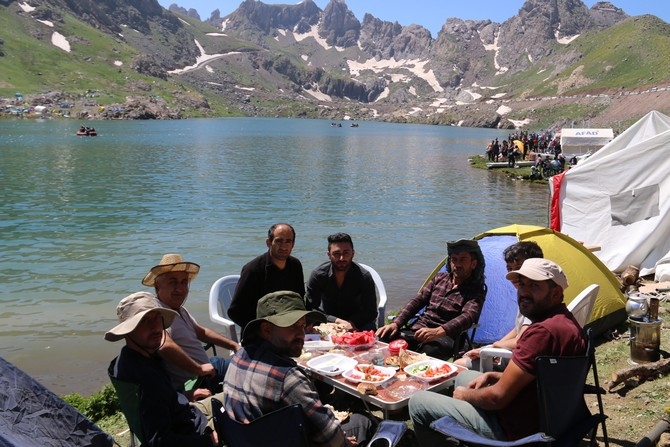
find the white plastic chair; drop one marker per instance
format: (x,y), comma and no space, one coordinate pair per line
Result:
(220,296)
(381,294)
(581,307)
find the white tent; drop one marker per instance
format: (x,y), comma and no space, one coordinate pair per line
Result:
(619,198)
(579,141)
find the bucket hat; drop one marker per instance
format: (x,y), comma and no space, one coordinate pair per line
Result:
(171,262)
(130,311)
(282,309)
(540,269)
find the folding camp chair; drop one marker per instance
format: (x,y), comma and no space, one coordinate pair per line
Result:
(564,416)
(289,422)
(129,401)
(464,341)
(281,428)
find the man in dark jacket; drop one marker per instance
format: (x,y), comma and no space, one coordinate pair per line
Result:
(272,271)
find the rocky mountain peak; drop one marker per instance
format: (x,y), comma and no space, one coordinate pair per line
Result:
(339,26)
(605,14)
(191,12)
(530,35)
(253,15)
(386,40)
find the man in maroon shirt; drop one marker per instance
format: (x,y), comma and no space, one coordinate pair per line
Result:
(504,406)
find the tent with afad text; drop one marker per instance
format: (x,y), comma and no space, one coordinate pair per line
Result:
(580,266)
(619,198)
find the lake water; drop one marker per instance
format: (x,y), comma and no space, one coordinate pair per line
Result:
(84,218)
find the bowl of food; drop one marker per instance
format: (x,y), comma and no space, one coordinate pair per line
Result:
(431,370)
(355,340)
(368,373)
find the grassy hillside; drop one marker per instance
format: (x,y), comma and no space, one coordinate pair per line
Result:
(630,55)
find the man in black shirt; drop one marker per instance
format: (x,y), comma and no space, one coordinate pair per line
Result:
(341,289)
(272,271)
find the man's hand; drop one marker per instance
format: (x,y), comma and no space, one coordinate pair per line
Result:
(483,380)
(206,369)
(348,326)
(198,394)
(387,332)
(424,335)
(351,440)
(472,354)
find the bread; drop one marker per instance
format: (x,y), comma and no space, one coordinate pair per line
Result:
(392,360)
(367,388)
(407,358)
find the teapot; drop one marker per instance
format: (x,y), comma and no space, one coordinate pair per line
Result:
(637,305)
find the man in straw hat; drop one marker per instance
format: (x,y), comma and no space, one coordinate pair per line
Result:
(263,377)
(503,405)
(166,417)
(453,300)
(274,270)
(184,351)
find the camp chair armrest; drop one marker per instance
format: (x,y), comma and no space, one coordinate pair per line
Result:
(487,354)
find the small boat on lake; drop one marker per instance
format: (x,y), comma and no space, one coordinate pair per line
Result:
(85,131)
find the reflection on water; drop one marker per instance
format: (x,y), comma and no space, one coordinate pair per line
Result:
(84,218)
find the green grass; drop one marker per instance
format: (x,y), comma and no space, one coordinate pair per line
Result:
(629,55)
(521,173)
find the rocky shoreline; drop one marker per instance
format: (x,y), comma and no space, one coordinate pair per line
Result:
(615,110)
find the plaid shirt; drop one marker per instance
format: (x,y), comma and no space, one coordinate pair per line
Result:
(259,380)
(453,308)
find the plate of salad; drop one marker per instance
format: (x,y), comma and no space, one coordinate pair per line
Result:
(431,369)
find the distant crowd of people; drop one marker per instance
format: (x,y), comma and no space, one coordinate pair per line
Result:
(164,355)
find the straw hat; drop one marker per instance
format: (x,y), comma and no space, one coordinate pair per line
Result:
(130,311)
(171,262)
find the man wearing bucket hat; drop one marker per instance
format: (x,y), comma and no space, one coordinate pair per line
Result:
(503,405)
(274,270)
(166,418)
(452,299)
(187,359)
(263,376)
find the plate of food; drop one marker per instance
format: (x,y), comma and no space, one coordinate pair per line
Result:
(317,342)
(367,373)
(355,340)
(431,369)
(331,364)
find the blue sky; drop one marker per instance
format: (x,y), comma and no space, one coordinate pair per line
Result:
(430,13)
